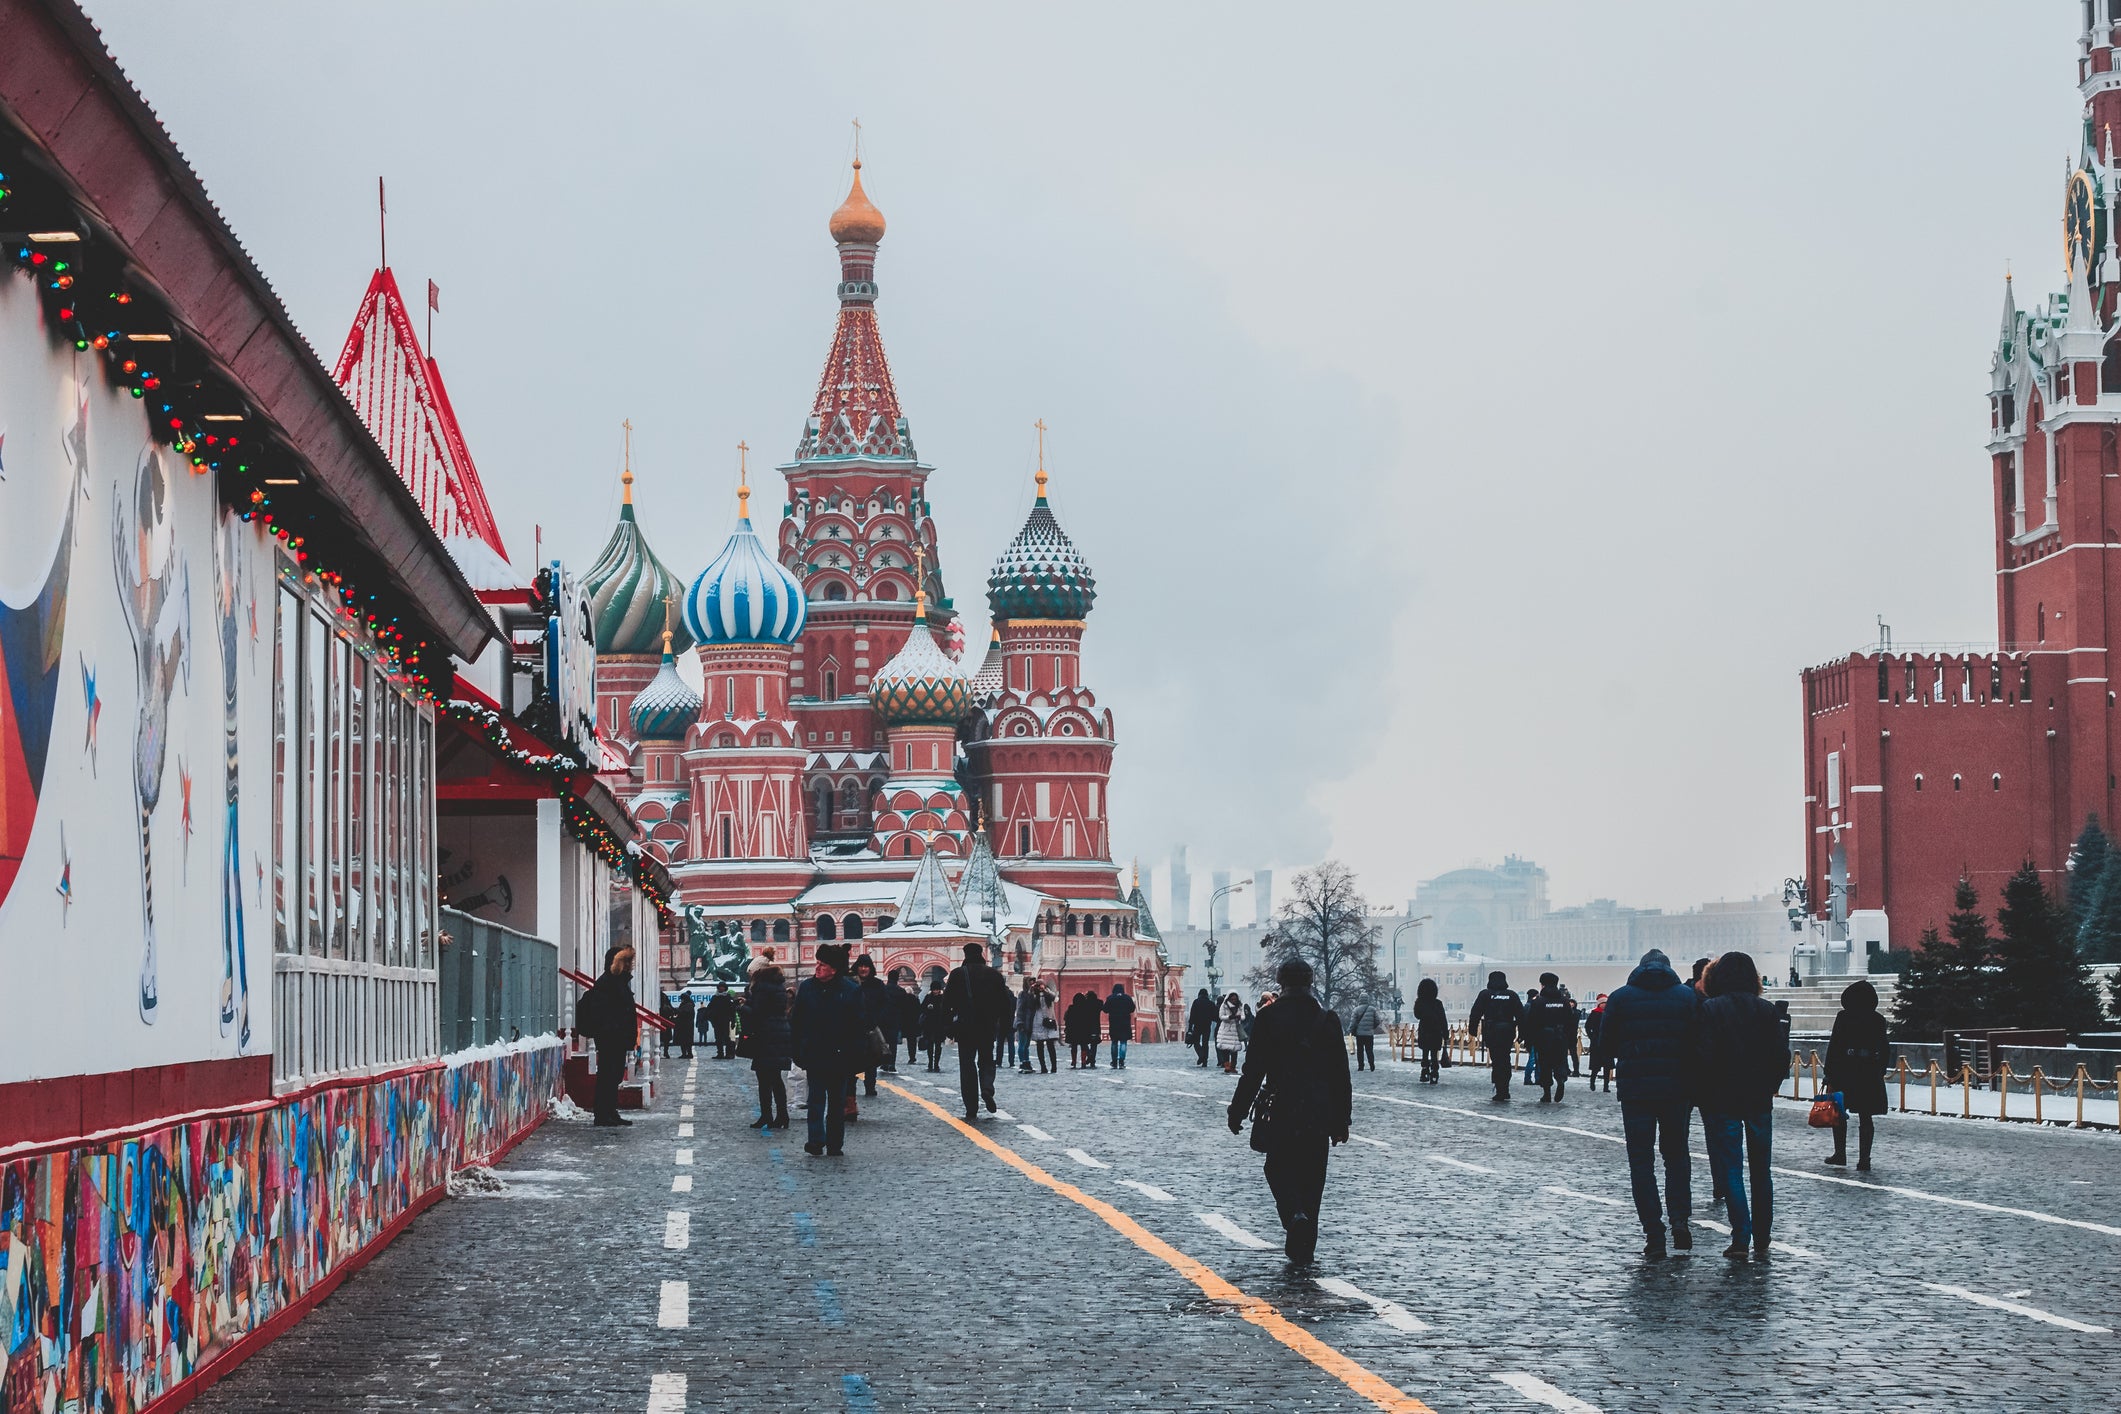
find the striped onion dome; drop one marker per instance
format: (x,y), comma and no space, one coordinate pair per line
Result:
(631,592)
(1041,575)
(667,707)
(746,595)
(920,685)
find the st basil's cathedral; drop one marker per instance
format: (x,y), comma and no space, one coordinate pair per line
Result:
(909,807)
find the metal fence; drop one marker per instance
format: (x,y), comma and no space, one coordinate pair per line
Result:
(497,984)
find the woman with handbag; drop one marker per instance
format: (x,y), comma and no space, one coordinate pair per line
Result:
(1045,1031)
(1230,1033)
(1855,1068)
(767,1044)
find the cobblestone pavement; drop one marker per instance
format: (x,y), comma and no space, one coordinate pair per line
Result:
(1478,1257)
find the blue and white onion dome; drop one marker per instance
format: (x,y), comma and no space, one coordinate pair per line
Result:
(666,708)
(745,595)
(1041,575)
(921,686)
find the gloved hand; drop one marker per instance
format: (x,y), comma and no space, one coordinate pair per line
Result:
(1237,1122)
(1341,1137)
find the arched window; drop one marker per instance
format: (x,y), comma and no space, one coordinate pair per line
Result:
(887,591)
(908,849)
(1071,925)
(851,798)
(1104,926)
(835,592)
(1955,783)
(1995,782)
(824,806)
(832,679)
(758,930)
(780,930)
(827,931)
(851,926)
(1918,781)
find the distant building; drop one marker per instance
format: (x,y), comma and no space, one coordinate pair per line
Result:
(1262,897)
(1181,891)
(1470,907)
(1219,907)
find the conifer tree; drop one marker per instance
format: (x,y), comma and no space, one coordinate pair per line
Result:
(1921,1001)
(1972,954)
(2040,983)
(2095,893)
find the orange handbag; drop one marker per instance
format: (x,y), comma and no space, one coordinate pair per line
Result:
(1826,1112)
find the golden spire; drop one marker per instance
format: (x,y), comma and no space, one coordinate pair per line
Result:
(1137,871)
(920,582)
(743,480)
(857,221)
(667,609)
(626,479)
(1041,426)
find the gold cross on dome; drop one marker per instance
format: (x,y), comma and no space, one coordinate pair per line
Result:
(1041,426)
(743,480)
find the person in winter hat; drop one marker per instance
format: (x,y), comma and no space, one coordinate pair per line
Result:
(1855,1069)
(1364,1026)
(1495,1018)
(605,1014)
(1119,1015)
(772,1044)
(825,1027)
(1432,1029)
(1649,1032)
(1550,1025)
(1740,1061)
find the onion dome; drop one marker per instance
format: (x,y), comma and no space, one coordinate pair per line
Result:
(663,710)
(1041,575)
(630,591)
(745,595)
(920,686)
(857,222)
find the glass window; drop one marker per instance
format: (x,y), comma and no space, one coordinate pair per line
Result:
(390,858)
(335,793)
(379,870)
(286,769)
(423,856)
(357,808)
(314,640)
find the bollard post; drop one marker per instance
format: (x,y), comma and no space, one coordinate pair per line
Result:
(1815,1075)
(2039,1083)
(1933,1086)
(2080,1094)
(1903,1084)
(2003,1090)
(1966,1090)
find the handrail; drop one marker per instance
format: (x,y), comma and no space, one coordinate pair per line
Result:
(585,982)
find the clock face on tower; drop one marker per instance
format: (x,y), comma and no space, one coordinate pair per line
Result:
(2081,215)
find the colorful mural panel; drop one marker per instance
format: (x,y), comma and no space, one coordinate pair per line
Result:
(127,1265)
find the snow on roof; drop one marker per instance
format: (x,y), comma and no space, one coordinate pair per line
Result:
(483,567)
(884,891)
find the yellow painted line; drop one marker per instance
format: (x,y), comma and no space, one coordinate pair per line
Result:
(1375,1388)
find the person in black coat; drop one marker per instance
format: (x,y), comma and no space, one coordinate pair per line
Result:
(880,1010)
(979,1004)
(1649,1030)
(1298,1059)
(1119,1009)
(681,1023)
(1432,1029)
(1496,1016)
(935,1025)
(1074,1031)
(721,1010)
(605,1014)
(1550,1024)
(909,1017)
(771,1043)
(1855,1066)
(1200,1026)
(1741,1060)
(825,1029)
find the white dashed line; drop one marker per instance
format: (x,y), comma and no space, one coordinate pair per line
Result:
(1995,1303)
(1456,1163)
(1004,1114)
(681,1184)
(1373,1143)
(1111,1080)
(1147,1190)
(1789,1247)
(684,1112)
(684,1156)
(1540,1392)
(1085,1160)
(1216,1222)
(677,1230)
(674,1312)
(1586,1197)
(1190,1094)
(1390,1312)
(684,1131)
(666,1394)
(1036,1133)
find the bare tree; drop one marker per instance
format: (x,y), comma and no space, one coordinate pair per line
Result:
(1326,924)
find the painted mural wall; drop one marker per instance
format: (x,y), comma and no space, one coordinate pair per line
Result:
(127,1266)
(135,730)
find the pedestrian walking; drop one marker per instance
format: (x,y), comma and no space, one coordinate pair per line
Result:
(767,1037)
(1296,1089)
(721,1010)
(1531,1052)
(1119,1018)
(908,1002)
(979,1005)
(1649,1031)
(1230,1033)
(1093,1029)
(605,1014)
(1432,1029)
(1855,1069)
(1077,1031)
(1025,1019)
(1550,1026)
(935,1024)
(682,1023)
(879,1009)
(1364,1026)
(1495,1019)
(1741,1060)
(667,1009)
(826,1039)
(1046,1030)
(1700,984)
(1200,1026)
(1601,1055)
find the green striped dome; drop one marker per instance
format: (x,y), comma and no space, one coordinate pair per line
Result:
(633,596)
(1041,575)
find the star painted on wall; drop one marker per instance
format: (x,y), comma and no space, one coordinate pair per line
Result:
(94,705)
(184,788)
(65,887)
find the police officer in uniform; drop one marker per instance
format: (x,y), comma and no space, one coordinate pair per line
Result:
(1497,1016)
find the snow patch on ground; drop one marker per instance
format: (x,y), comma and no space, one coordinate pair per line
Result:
(476,1182)
(562,1108)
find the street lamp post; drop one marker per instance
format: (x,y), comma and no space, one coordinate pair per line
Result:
(1397,999)
(1215,977)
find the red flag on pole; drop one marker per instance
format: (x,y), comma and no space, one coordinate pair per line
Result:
(434,296)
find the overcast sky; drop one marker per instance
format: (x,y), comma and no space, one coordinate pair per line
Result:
(1476,415)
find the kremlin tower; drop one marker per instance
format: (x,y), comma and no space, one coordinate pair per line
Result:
(842,775)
